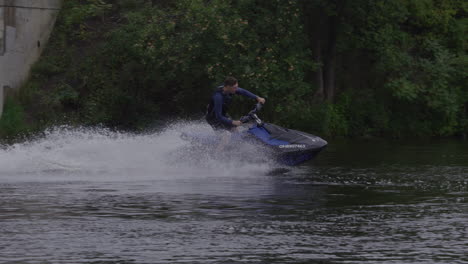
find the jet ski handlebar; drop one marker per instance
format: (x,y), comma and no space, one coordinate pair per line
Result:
(252,115)
(258,107)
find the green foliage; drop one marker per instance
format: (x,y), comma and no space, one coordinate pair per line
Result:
(417,47)
(46,69)
(78,12)
(76,15)
(12,122)
(400,65)
(187,49)
(130,4)
(335,123)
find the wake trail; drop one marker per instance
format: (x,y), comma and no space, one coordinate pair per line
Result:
(101,154)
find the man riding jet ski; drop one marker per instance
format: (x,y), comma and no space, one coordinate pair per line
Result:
(287,146)
(216,112)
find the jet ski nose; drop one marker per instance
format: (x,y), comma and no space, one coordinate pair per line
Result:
(324,142)
(319,142)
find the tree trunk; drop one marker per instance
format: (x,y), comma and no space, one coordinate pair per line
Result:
(465,132)
(330,64)
(322,28)
(320,92)
(314,23)
(331,56)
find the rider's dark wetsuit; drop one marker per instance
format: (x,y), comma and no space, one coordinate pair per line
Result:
(216,113)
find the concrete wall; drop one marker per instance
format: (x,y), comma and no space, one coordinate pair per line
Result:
(25,26)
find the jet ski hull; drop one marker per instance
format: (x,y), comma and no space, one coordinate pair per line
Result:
(289,147)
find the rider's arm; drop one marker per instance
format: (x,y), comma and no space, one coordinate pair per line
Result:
(251,95)
(217,108)
(244,92)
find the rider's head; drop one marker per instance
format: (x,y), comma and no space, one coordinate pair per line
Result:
(230,84)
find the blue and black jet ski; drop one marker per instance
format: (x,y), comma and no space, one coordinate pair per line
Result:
(287,146)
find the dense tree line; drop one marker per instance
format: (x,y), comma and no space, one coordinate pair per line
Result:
(336,67)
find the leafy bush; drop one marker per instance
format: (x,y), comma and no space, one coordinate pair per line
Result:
(12,122)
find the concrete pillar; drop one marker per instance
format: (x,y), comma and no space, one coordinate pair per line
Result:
(2,31)
(25,27)
(2,49)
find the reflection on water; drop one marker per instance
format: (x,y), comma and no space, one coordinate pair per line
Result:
(357,203)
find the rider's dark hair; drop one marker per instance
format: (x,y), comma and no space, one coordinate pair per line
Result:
(230,81)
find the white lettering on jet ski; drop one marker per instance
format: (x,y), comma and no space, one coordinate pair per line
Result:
(293,146)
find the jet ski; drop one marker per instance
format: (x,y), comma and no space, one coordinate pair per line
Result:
(289,147)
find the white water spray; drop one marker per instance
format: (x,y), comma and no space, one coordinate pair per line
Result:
(100,154)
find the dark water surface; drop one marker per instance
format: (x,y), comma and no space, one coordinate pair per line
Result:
(366,202)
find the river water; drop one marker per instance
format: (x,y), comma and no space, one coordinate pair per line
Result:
(94,196)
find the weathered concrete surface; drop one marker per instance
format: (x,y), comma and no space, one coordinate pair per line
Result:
(25,27)
(47,4)
(2,50)
(2,31)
